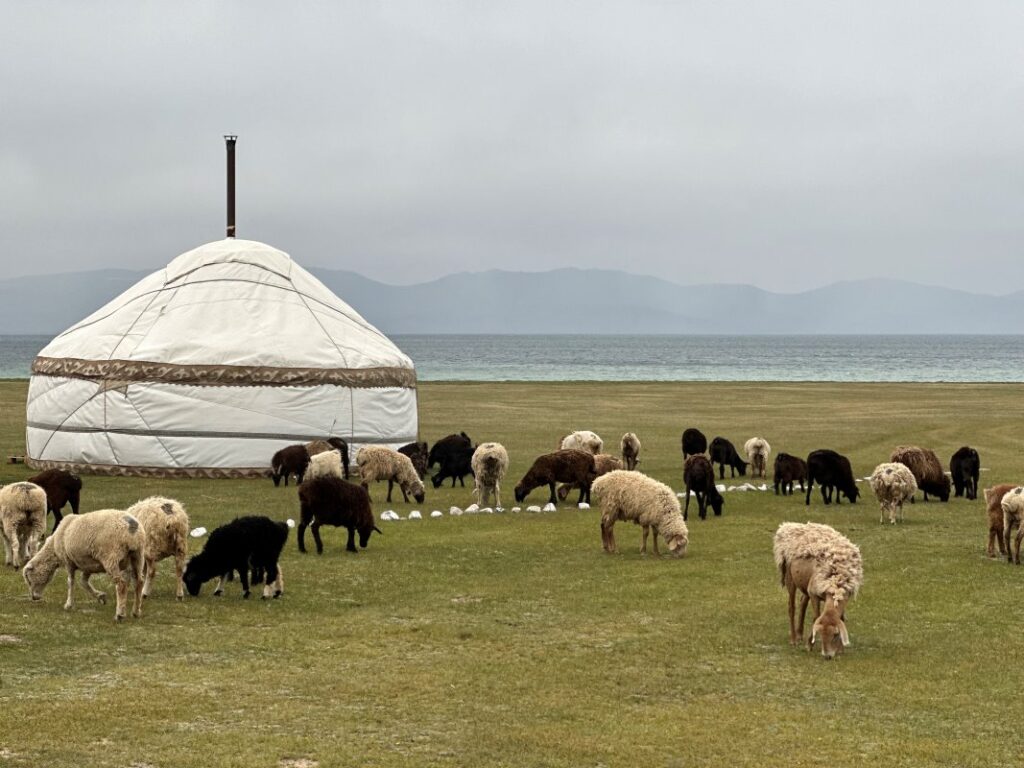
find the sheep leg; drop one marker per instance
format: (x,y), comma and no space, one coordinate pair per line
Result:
(315,528)
(12,545)
(121,590)
(405,496)
(351,545)
(584,495)
(268,585)
(391,484)
(453,481)
(1016,542)
(70,602)
(100,596)
(136,568)
(656,552)
(149,568)
(1007,530)
(303,524)
(608,536)
(686,507)
(219,589)
(243,576)
(810,486)
(8,555)
(643,549)
(57,517)
(721,471)
(179,574)
(552,499)
(792,613)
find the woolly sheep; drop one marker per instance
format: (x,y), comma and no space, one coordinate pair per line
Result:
(1013,512)
(625,495)
(584,440)
(166,524)
(490,463)
(568,466)
(324,464)
(825,566)
(758,450)
(330,444)
(22,521)
(994,509)
(108,541)
(630,447)
(893,484)
(332,501)
(927,470)
(603,463)
(376,462)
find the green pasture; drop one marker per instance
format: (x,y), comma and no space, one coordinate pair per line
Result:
(494,640)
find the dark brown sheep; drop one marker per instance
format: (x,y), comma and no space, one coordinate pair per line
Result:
(723,452)
(788,470)
(699,476)
(927,470)
(570,466)
(292,460)
(693,442)
(331,501)
(61,488)
(964,467)
(417,453)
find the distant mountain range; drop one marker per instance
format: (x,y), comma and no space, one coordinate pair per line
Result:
(573,301)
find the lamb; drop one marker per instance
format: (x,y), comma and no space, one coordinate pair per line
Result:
(893,484)
(453,455)
(109,541)
(964,466)
(603,462)
(490,463)
(292,460)
(824,565)
(377,462)
(332,501)
(699,477)
(61,488)
(994,508)
(166,524)
(723,452)
(630,447)
(625,495)
(758,450)
(22,521)
(247,542)
(418,454)
(789,469)
(834,473)
(582,441)
(1013,512)
(693,442)
(926,468)
(324,464)
(330,444)
(568,466)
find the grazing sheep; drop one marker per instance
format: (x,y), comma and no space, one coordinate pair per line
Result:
(490,463)
(166,524)
(330,444)
(630,447)
(1013,512)
(789,469)
(893,484)
(22,521)
(723,452)
(926,468)
(693,442)
(324,464)
(582,441)
(568,466)
(833,473)
(603,463)
(418,454)
(457,463)
(625,495)
(247,542)
(332,501)
(451,450)
(824,565)
(376,462)
(292,460)
(109,541)
(61,488)
(699,477)
(758,450)
(964,467)
(994,509)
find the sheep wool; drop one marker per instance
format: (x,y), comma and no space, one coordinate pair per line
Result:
(166,524)
(758,450)
(892,484)
(839,571)
(927,470)
(1013,514)
(325,464)
(377,462)
(584,440)
(630,449)
(489,463)
(22,521)
(625,495)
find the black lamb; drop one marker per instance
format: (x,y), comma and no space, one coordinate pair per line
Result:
(833,473)
(723,452)
(693,442)
(247,542)
(449,453)
(699,477)
(293,460)
(964,467)
(331,501)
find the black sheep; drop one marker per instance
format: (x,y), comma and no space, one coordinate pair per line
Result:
(699,476)
(450,452)
(332,501)
(456,463)
(253,541)
(723,452)
(292,460)
(693,442)
(789,469)
(417,453)
(61,488)
(964,467)
(834,473)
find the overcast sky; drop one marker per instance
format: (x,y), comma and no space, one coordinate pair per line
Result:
(787,145)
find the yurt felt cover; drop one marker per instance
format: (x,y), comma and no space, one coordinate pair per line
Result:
(207,367)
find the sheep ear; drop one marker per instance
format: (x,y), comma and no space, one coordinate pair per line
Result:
(844,636)
(814,636)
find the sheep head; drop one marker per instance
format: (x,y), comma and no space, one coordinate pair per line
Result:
(40,569)
(832,630)
(677,545)
(521,492)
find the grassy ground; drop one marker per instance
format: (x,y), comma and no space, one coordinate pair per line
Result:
(513,640)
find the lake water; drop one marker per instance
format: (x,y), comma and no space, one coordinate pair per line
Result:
(679,358)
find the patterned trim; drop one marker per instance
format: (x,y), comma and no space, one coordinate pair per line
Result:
(116,373)
(196,433)
(212,473)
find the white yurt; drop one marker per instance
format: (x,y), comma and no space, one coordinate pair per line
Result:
(210,365)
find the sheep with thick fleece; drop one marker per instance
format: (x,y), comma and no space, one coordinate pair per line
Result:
(376,462)
(625,495)
(569,466)
(893,483)
(22,521)
(489,463)
(584,440)
(825,566)
(758,450)
(928,472)
(324,464)
(630,447)
(1013,514)
(166,524)
(603,463)
(108,541)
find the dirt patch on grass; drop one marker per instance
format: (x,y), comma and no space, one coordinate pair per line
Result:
(298,762)
(9,640)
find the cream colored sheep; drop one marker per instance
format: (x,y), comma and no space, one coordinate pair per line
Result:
(489,463)
(630,448)
(582,441)
(758,450)
(824,565)
(166,524)
(1013,513)
(108,541)
(324,464)
(22,521)
(625,495)
(893,484)
(376,463)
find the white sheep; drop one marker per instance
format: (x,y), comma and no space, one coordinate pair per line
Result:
(489,463)
(1013,514)
(758,450)
(325,464)
(582,441)
(625,495)
(108,541)
(376,462)
(893,484)
(22,521)
(630,446)
(166,524)
(824,565)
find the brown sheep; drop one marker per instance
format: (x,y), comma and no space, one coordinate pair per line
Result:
(331,501)
(604,462)
(292,460)
(569,466)
(927,470)
(994,509)
(61,488)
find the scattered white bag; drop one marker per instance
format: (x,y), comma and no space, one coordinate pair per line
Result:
(533,508)
(198,532)
(455,511)
(549,507)
(499,510)
(720,488)
(583,505)
(290,522)
(415,515)
(437,513)
(517,509)
(472,509)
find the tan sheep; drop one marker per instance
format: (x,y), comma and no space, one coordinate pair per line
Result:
(376,463)
(625,495)
(825,566)
(324,464)
(108,541)
(166,524)
(584,440)
(758,450)
(489,463)
(603,462)
(994,510)
(630,448)
(893,483)
(22,521)
(1013,512)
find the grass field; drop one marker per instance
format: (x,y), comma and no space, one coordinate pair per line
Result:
(513,640)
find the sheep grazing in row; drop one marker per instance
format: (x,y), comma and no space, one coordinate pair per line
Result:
(789,470)
(603,464)
(324,464)
(109,541)
(630,448)
(330,444)
(166,525)
(253,541)
(926,468)
(332,501)
(699,477)
(833,473)
(693,442)
(568,466)
(490,463)
(22,521)
(583,440)
(625,495)
(61,488)
(1013,513)
(722,452)
(758,450)
(377,463)
(994,509)
(964,467)
(824,566)
(289,461)
(418,454)
(892,484)
(453,455)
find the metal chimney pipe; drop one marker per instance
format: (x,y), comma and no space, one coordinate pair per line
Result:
(229,141)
